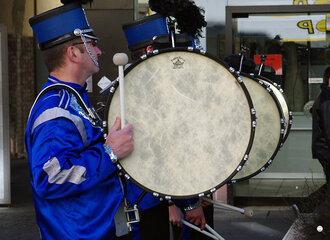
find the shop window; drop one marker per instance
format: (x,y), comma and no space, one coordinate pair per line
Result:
(302,40)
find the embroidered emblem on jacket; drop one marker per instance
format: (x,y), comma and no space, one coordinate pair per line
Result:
(75,105)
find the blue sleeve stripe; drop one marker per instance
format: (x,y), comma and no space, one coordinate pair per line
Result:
(57,112)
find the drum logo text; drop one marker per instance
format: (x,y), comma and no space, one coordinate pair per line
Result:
(178,62)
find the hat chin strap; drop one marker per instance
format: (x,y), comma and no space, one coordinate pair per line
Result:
(81,33)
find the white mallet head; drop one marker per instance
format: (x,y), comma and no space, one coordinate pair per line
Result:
(120,59)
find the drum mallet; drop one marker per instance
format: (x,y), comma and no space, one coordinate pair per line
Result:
(247,212)
(121,59)
(213,233)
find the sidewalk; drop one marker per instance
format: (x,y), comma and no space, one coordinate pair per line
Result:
(17,222)
(267,223)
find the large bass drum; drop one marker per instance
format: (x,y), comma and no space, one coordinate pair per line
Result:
(283,100)
(193,123)
(270,128)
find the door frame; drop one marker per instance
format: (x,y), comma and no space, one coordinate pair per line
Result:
(4,118)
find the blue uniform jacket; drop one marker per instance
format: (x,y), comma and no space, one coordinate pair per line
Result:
(76,189)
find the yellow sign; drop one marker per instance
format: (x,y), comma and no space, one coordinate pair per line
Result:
(306,24)
(309,2)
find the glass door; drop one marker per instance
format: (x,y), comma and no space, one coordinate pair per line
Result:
(302,42)
(299,43)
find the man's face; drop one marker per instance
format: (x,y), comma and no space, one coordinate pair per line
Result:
(96,52)
(87,62)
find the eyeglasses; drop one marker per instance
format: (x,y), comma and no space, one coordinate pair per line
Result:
(93,42)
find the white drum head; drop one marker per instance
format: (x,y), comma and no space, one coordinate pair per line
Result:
(192,123)
(281,97)
(269,131)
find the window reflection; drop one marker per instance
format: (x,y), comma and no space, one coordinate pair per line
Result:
(301,39)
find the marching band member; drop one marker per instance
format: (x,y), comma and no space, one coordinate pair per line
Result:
(76,189)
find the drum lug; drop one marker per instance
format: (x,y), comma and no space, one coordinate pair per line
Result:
(240,79)
(268,85)
(231,69)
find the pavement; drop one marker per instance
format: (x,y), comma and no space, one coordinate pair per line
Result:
(267,223)
(17,221)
